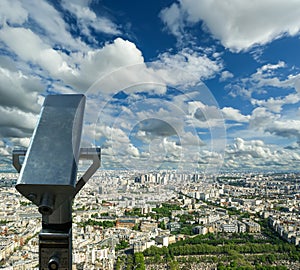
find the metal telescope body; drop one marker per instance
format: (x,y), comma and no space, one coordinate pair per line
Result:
(48,175)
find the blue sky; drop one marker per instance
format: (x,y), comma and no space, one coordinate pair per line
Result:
(190,85)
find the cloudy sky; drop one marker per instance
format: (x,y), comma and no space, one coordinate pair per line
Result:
(192,85)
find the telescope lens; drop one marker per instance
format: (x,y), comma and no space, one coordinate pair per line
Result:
(45,210)
(47,204)
(53,264)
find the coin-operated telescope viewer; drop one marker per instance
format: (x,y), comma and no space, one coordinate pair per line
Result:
(48,175)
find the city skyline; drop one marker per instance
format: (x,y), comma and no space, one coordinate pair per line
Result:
(118,215)
(204,85)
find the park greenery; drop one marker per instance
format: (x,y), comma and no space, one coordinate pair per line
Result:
(131,262)
(4,221)
(25,203)
(239,251)
(164,210)
(121,245)
(236,251)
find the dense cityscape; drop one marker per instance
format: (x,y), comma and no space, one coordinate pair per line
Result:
(166,220)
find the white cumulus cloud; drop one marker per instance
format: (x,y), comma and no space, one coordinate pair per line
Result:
(239,25)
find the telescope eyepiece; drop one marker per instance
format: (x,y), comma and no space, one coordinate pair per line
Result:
(53,263)
(45,210)
(46,206)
